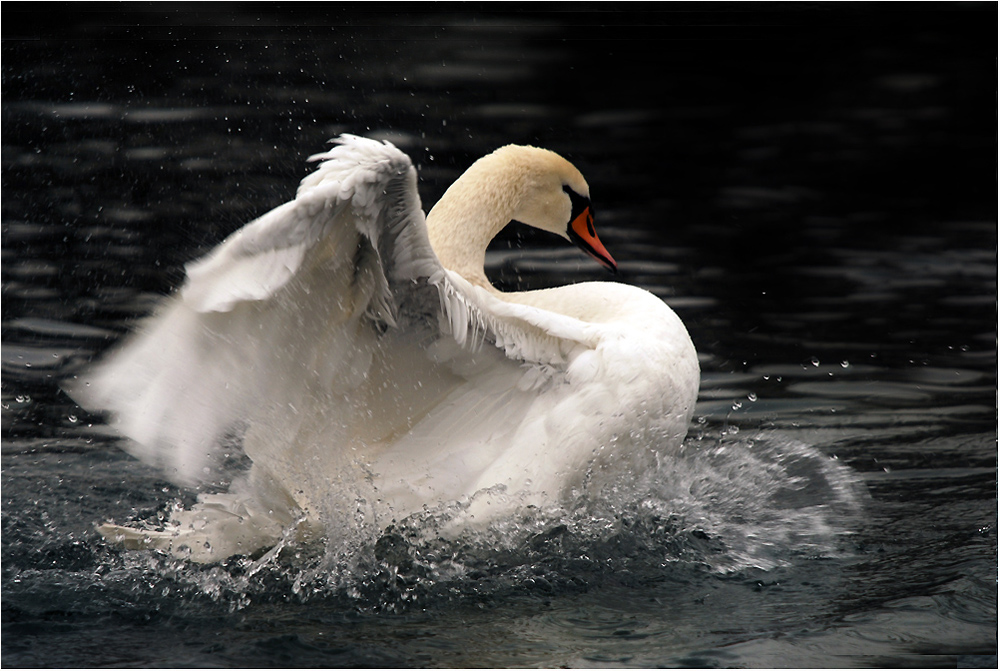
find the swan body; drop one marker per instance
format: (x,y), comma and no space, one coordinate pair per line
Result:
(358,353)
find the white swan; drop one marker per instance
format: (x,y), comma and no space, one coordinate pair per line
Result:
(362,354)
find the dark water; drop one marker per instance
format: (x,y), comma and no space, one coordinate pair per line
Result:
(811,188)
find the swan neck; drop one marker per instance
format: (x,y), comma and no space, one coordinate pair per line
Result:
(471,213)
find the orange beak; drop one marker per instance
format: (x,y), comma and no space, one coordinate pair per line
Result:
(581,231)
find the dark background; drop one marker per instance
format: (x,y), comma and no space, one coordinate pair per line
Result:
(750,138)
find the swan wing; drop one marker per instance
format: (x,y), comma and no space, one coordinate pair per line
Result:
(290,305)
(273,335)
(362,187)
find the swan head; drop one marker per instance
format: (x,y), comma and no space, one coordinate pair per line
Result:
(532,186)
(555,197)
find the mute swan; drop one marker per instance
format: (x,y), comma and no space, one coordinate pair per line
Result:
(360,353)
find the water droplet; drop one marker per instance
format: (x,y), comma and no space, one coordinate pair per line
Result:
(845,363)
(814,361)
(752,396)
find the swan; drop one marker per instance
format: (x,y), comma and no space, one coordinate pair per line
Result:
(357,354)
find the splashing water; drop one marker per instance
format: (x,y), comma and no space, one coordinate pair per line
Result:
(718,506)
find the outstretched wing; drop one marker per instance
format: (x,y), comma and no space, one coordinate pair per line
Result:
(294,300)
(281,322)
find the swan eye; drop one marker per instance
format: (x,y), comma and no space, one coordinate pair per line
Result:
(578,204)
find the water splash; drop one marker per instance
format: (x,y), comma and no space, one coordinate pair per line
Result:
(720,506)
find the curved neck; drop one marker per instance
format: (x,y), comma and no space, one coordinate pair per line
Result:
(471,213)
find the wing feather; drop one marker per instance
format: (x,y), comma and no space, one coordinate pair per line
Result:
(291,307)
(285,306)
